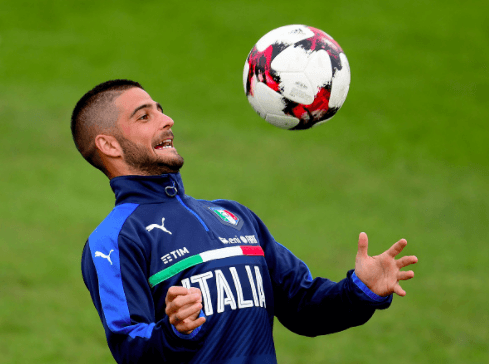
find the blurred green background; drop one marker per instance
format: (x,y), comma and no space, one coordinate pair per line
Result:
(406,157)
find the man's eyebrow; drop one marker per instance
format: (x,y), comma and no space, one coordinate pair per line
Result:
(144,106)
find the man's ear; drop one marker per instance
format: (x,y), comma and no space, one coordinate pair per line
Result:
(108,145)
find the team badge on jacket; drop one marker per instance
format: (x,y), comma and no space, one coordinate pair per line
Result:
(227,217)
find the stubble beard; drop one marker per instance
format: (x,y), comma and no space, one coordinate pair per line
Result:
(146,164)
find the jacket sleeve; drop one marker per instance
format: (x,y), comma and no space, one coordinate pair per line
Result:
(317,306)
(122,296)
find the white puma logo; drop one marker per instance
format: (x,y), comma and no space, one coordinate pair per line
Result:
(100,254)
(161,227)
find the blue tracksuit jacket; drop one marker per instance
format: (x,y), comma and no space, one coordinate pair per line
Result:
(157,237)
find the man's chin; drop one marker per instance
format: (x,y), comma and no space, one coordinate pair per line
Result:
(169,167)
(155,167)
(141,162)
(175,164)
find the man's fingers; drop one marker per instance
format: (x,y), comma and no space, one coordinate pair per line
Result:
(362,245)
(185,313)
(397,248)
(186,327)
(405,261)
(198,322)
(183,306)
(192,290)
(174,292)
(181,302)
(399,291)
(190,311)
(402,276)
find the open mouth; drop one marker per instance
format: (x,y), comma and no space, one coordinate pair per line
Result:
(165,144)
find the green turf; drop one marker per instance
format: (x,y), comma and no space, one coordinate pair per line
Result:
(406,157)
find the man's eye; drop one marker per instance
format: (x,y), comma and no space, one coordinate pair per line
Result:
(144,117)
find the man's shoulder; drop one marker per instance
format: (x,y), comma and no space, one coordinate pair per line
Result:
(105,237)
(112,225)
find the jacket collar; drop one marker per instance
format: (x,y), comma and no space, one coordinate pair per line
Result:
(146,189)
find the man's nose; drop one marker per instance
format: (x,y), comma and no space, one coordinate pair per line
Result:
(166,122)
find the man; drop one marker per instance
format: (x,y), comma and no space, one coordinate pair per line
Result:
(180,280)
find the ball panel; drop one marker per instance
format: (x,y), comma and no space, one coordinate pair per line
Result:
(321,122)
(319,70)
(322,40)
(266,99)
(259,67)
(257,107)
(246,71)
(282,121)
(296,87)
(288,34)
(340,84)
(313,113)
(291,59)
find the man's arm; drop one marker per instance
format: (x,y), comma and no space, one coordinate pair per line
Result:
(122,296)
(319,306)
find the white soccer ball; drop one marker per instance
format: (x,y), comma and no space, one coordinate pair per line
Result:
(296,77)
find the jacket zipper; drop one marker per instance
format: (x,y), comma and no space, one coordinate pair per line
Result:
(193,213)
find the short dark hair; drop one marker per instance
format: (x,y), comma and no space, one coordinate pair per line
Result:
(96,113)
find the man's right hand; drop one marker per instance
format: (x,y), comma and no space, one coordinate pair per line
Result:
(183,306)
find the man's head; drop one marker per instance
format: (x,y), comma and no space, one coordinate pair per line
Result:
(120,130)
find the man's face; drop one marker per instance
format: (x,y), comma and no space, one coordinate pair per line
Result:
(145,134)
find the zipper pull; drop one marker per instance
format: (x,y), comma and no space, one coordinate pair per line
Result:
(171,191)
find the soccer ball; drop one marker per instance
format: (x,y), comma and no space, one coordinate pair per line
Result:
(296,77)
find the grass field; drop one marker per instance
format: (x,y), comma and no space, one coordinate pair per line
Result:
(406,156)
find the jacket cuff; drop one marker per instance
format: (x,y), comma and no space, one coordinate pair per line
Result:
(192,334)
(375,300)
(367,290)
